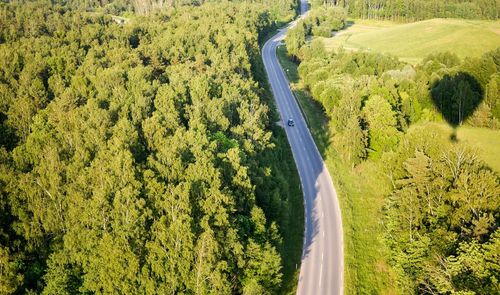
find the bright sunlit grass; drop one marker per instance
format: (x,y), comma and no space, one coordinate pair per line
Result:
(484,140)
(412,42)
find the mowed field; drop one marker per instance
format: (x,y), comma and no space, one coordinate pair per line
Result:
(414,41)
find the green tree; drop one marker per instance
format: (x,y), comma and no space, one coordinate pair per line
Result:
(383,135)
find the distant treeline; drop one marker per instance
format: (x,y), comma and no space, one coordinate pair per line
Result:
(282,10)
(412,10)
(137,158)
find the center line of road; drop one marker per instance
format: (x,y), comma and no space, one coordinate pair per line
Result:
(320,273)
(315,188)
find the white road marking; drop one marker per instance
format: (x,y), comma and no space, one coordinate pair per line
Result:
(320,273)
(315,194)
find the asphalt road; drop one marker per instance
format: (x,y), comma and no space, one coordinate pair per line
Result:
(322,266)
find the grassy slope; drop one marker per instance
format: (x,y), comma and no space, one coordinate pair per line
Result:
(361,199)
(486,141)
(411,42)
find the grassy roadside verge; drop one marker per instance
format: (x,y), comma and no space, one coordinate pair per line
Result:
(281,162)
(292,227)
(360,191)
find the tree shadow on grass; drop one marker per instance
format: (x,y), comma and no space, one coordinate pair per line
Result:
(456,96)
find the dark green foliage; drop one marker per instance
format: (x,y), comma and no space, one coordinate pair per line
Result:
(457,96)
(130,152)
(411,10)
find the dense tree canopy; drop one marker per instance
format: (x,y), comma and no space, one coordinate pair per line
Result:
(280,10)
(442,218)
(387,96)
(319,22)
(130,153)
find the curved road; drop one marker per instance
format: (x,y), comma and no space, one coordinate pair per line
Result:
(322,265)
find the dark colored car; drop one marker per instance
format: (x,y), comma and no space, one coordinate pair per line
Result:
(291,122)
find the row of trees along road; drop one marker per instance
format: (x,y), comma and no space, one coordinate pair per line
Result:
(137,158)
(442,211)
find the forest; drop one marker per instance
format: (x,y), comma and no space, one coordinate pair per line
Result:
(441,212)
(413,10)
(139,157)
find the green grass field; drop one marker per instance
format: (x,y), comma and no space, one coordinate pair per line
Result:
(484,140)
(412,42)
(487,141)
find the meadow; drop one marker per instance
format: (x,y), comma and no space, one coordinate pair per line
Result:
(484,141)
(413,41)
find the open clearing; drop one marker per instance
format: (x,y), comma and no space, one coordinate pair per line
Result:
(412,42)
(483,140)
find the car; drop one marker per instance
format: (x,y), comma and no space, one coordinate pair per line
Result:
(291,122)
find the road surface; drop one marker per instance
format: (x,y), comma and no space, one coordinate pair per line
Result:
(322,265)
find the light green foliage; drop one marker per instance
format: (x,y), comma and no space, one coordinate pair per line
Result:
(381,125)
(492,95)
(319,22)
(342,101)
(349,137)
(295,39)
(262,268)
(314,49)
(131,153)
(323,20)
(281,10)
(443,197)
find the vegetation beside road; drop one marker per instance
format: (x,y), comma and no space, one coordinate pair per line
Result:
(416,205)
(360,196)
